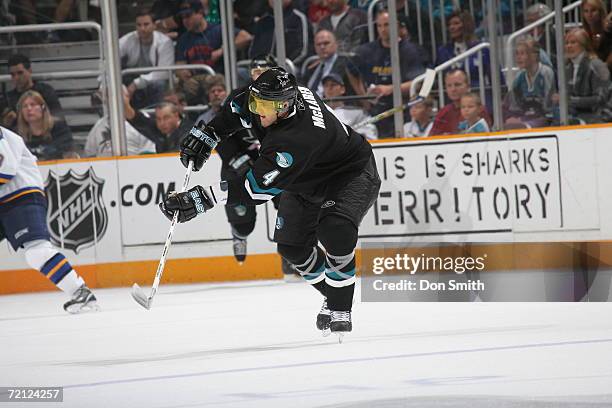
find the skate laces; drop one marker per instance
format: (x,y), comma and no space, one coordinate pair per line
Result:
(340,316)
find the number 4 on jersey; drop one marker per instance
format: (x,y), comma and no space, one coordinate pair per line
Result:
(270,176)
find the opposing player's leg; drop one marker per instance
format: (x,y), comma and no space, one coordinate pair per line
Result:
(42,256)
(26,229)
(240,217)
(242,220)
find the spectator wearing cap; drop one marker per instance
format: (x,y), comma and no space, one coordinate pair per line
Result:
(422,119)
(165,16)
(375,66)
(146,47)
(329,61)
(20,69)
(404,34)
(201,43)
(333,86)
(264,39)
(348,24)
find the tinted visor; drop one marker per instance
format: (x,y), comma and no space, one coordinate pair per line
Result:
(264,107)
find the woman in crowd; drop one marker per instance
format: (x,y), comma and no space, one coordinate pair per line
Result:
(587,78)
(47,137)
(461,28)
(594,16)
(529,99)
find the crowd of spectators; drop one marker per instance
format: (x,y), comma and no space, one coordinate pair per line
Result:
(327,41)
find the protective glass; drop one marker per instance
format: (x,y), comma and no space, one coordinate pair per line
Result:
(264,107)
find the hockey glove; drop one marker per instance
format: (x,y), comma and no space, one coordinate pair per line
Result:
(198,145)
(188,204)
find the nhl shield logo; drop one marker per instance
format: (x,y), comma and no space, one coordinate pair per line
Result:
(76,214)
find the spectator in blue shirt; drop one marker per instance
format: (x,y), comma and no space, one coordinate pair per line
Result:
(264,40)
(201,43)
(461,30)
(471,112)
(374,60)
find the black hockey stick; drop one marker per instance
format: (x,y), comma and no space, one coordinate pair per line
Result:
(428,82)
(137,293)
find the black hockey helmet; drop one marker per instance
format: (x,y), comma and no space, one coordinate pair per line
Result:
(274,90)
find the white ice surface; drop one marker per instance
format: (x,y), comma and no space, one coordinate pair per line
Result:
(255,345)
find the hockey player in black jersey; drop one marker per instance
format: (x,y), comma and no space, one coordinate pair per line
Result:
(325,170)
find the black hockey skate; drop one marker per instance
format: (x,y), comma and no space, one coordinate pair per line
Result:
(340,323)
(82,301)
(324,319)
(240,249)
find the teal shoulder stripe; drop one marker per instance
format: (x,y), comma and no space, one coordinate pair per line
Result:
(235,107)
(255,187)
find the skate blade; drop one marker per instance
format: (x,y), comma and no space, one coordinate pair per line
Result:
(340,337)
(326,332)
(140,297)
(86,308)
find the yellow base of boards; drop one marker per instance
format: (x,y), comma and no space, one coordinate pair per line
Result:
(191,270)
(590,256)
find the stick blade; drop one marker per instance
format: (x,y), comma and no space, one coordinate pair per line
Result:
(428,82)
(140,297)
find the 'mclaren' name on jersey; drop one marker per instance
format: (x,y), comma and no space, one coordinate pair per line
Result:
(317,115)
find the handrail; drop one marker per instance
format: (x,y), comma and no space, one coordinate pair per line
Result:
(169,68)
(139,70)
(442,67)
(57,26)
(50,27)
(512,37)
(192,108)
(90,73)
(105,64)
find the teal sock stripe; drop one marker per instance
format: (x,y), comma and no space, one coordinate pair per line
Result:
(315,274)
(333,275)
